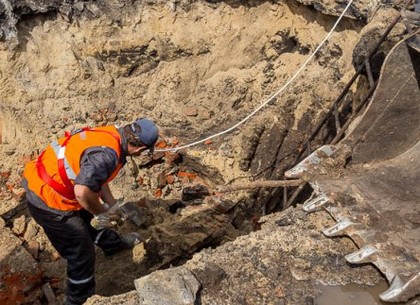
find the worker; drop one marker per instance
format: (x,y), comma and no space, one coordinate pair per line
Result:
(68,195)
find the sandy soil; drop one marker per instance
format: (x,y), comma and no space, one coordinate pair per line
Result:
(196,68)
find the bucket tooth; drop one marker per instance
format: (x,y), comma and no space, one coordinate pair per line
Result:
(361,255)
(305,164)
(400,291)
(393,291)
(338,228)
(315,204)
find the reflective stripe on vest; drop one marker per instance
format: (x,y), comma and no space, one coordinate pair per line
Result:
(59,188)
(65,171)
(59,152)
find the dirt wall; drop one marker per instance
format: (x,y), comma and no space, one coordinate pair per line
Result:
(196,68)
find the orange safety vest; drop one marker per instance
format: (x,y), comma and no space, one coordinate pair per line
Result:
(51,176)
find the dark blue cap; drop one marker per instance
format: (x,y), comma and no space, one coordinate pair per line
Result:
(147,133)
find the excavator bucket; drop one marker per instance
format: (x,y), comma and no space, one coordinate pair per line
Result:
(370,181)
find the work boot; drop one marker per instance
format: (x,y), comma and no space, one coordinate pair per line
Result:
(131,239)
(70,301)
(112,243)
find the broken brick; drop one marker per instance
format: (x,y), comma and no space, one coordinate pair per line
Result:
(191,176)
(158,193)
(171,157)
(10,187)
(161,144)
(170,179)
(4,175)
(19,272)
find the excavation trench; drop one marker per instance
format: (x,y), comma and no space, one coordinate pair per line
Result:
(196,68)
(174,230)
(183,217)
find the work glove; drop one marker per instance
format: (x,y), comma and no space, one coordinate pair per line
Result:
(111,218)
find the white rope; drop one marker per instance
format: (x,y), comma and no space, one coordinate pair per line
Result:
(271,97)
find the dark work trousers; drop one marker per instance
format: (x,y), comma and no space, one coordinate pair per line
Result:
(74,238)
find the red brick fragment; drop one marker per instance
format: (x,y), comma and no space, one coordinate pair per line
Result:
(161,144)
(158,193)
(171,157)
(170,179)
(191,176)
(10,187)
(4,175)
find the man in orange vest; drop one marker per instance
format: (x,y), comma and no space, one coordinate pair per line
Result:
(67,191)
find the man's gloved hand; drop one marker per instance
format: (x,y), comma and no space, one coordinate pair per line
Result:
(111,218)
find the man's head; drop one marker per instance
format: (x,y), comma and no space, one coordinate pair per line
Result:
(142,134)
